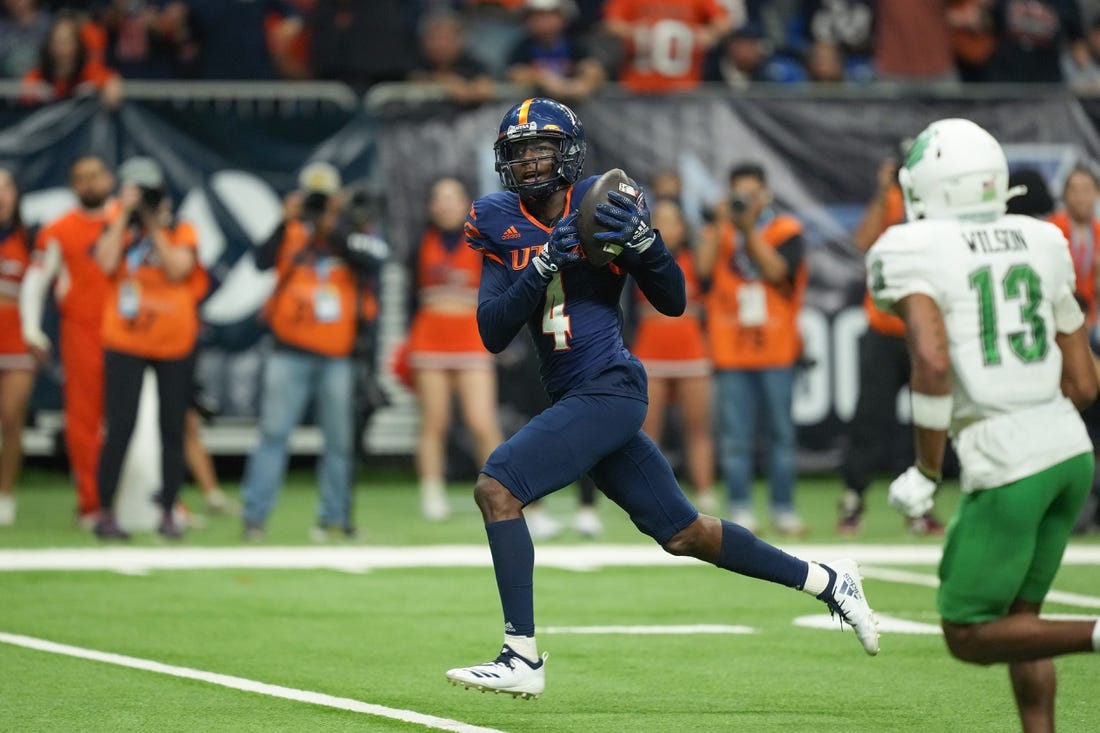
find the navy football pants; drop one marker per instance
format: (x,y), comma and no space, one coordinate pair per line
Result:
(599,434)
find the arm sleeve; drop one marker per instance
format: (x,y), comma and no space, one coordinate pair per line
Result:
(503,307)
(659,276)
(268,252)
(896,269)
(45,264)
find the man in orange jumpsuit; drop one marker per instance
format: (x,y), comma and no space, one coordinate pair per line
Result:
(64,253)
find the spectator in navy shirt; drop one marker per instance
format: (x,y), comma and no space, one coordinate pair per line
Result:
(232,36)
(549,58)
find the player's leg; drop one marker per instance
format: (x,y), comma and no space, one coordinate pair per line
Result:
(778,394)
(433,396)
(870,427)
(15,393)
(477,396)
(1005,546)
(335,406)
(550,452)
(287,384)
(1033,684)
(638,478)
(738,403)
(82,361)
(695,395)
(124,379)
(173,392)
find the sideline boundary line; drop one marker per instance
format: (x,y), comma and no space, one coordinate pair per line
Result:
(359,559)
(246,685)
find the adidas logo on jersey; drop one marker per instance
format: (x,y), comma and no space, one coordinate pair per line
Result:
(511,233)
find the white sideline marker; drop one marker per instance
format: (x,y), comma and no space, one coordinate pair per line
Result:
(651,630)
(240,683)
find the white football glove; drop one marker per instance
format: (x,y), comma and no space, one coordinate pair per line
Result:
(911,493)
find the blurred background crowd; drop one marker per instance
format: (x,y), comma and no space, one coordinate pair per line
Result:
(567,47)
(334,240)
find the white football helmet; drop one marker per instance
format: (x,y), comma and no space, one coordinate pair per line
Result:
(954,170)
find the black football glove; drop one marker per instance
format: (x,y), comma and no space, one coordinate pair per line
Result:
(562,250)
(628,221)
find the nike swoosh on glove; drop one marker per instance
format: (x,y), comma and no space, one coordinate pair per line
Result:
(628,220)
(562,250)
(911,493)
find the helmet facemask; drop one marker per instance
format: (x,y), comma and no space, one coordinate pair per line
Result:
(511,164)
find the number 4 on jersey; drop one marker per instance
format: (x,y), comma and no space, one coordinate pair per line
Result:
(554,320)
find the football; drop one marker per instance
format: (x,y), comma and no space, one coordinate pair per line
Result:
(600,253)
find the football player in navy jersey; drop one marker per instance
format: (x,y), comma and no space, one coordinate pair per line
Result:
(535,273)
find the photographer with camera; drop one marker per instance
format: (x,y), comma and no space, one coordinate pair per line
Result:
(752,257)
(150,319)
(314,313)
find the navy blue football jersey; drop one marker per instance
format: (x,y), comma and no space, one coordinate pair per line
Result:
(574,318)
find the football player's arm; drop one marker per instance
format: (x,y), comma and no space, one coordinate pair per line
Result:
(1078,373)
(502,307)
(659,276)
(930,379)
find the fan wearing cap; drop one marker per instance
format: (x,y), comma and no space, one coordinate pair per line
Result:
(150,319)
(551,58)
(313,314)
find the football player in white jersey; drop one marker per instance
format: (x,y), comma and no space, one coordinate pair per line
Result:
(1000,362)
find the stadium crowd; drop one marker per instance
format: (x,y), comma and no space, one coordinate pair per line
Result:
(567,48)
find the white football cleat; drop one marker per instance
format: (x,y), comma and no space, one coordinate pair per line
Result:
(541,524)
(509,673)
(586,522)
(845,597)
(7,510)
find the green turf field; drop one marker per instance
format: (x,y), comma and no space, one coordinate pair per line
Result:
(386,636)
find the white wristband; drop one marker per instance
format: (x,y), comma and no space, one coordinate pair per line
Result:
(931,411)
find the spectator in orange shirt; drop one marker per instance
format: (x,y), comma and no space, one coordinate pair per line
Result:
(63,251)
(65,70)
(1078,222)
(666,40)
(753,258)
(16,363)
(445,349)
(150,319)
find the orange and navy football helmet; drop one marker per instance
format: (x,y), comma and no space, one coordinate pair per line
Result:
(540,118)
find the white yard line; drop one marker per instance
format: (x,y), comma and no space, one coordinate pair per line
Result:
(931,581)
(360,559)
(240,683)
(672,629)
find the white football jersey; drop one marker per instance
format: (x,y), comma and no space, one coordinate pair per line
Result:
(1005,289)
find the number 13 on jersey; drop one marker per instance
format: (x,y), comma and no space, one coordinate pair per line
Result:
(554,320)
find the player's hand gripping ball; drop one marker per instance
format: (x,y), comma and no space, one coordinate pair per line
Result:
(613,215)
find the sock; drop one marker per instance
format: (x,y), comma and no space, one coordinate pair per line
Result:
(432,488)
(524,646)
(1096,637)
(818,579)
(514,564)
(746,554)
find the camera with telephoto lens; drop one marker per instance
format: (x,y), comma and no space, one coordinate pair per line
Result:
(739,203)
